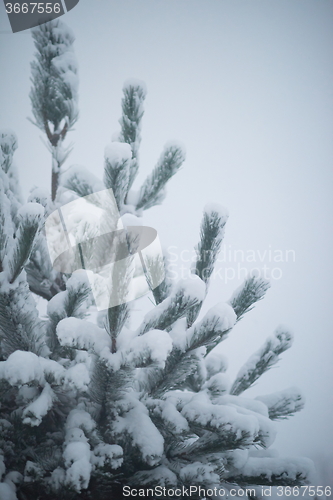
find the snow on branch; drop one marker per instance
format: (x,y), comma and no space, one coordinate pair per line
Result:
(156,268)
(152,346)
(8,145)
(213,328)
(30,217)
(283,404)
(132,108)
(274,471)
(262,360)
(185,365)
(152,191)
(117,170)
(54,92)
(234,429)
(20,327)
(81,334)
(211,235)
(135,421)
(11,193)
(186,294)
(68,303)
(200,473)
(80,180)
(160,475)
(251,291)
(54,80)
(35,411)
(6,225)
(109,455)
(76,456)
(215,363)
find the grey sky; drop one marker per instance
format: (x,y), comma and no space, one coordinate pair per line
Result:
(247,87)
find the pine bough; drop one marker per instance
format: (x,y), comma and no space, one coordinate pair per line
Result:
(86,409)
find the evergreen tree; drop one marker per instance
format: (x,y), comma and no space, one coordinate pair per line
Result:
(88,407)
(54,105)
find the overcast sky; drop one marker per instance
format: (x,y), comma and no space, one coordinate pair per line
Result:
(247,87)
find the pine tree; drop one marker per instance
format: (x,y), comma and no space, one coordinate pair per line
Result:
(54,105)
(88,407)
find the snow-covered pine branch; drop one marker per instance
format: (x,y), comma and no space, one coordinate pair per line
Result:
(269,471)
(283,404)
(261,361)
(152,191)
(42,278)
(30,217)
(213,327)
(8,145)
(186,358)
(184,295)
(8,172)
(251,291)
(117,170)
(65,304)
(54,78)
(20,327)
(211,235)
(157,266)
(54,89)
(78,179)
(132,108)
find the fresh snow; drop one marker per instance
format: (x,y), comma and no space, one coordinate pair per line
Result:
(191,289)
(161,476)
(215,208)
(199,473)
(219,318)
(136,422)
(81,334)
(168,412)
(287,468)
(30,212)
(221,418)
(281,338)
(21,367)
(215,363)
(77,458)
(156,343)
(291,399)
(249,404)
(217,384)
(80,419)
(171,146)
(77,376)
(36,410)
(107,454)
(134,83)
(78,174)
(66,65)
(118,152)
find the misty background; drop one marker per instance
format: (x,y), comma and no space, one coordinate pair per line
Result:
(246,86)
